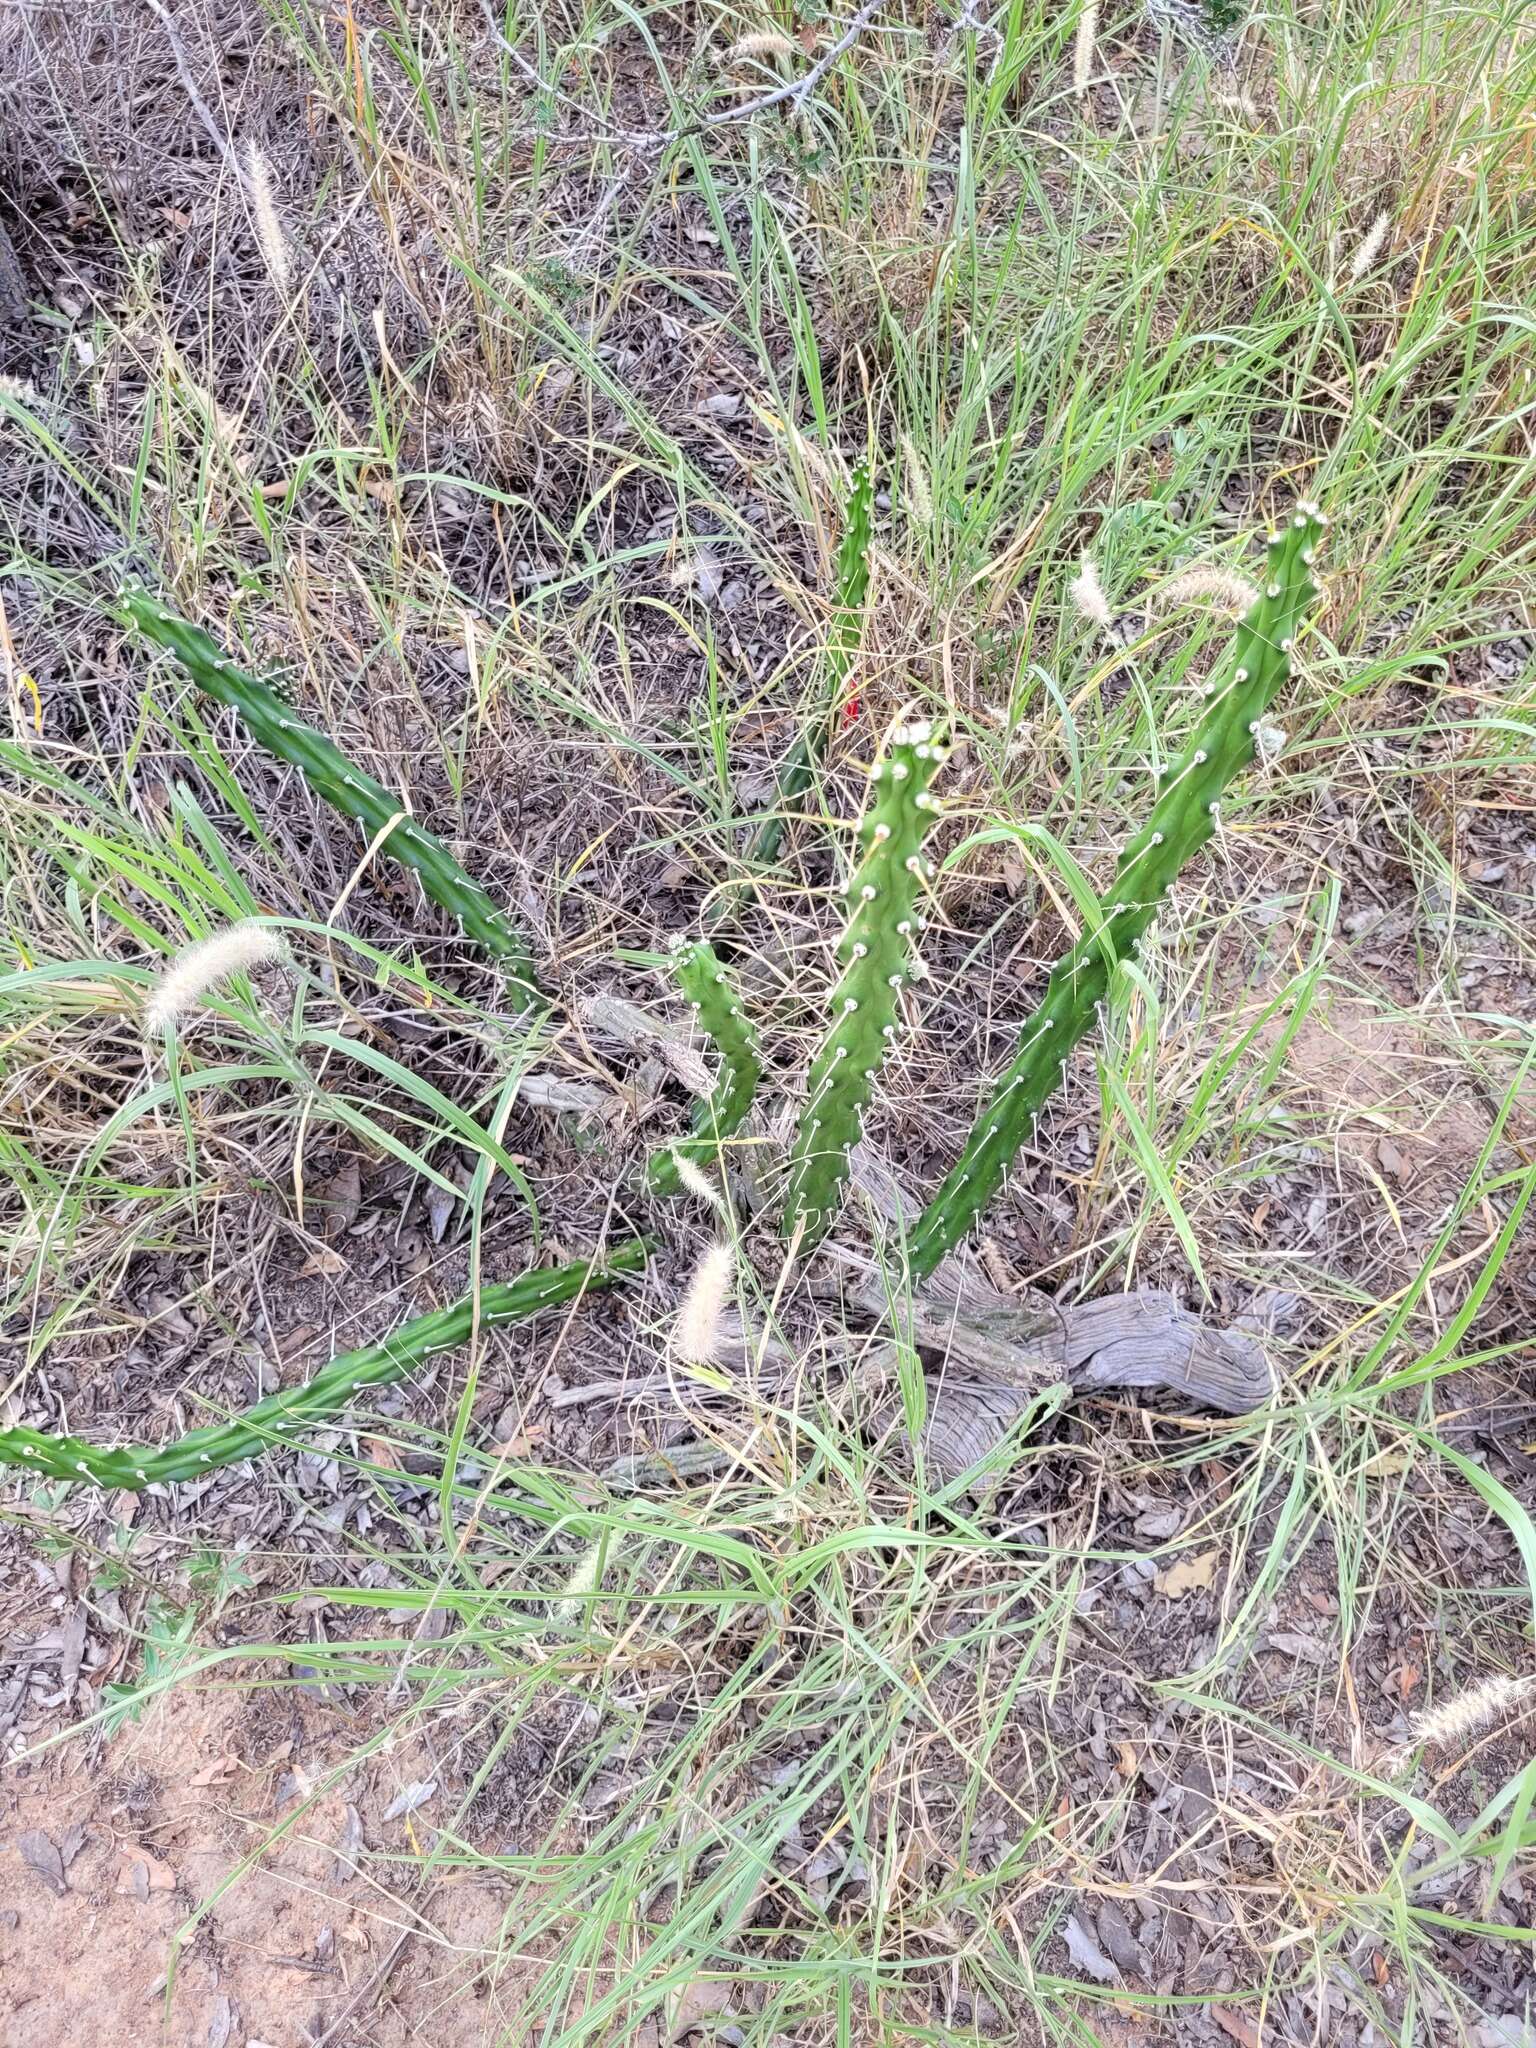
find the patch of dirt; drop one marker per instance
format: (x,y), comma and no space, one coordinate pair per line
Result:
(191,1844)
(1377,1097)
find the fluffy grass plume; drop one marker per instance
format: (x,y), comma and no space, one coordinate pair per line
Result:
(1368,255)
(919,496)
(1087,593)
(694,1178)
(696,1333)
(1453,1724)
(1084,47)
(198,968)
(762,43)
(586,1578)
(275,252)
(1224,587)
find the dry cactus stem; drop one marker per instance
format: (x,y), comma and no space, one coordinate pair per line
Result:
(724,1022)
(342,784)
(1183,819)
(875,954)
(224,1443)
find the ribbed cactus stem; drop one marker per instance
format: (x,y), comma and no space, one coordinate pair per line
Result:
(875,953)
(724,1023)
(223,1443)
(1182,820)
(342,784)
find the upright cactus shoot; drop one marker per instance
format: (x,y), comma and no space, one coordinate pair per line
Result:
(703,981)
(875,955)
(342,784)
(1183,818)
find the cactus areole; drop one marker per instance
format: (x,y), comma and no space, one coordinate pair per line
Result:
(224,1443)
(343,785)
(1183,818)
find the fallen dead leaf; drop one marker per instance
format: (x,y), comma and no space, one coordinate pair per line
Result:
(414,1795)
(339,1200)
(219,1772)
(40,1856)
(1242,2030)
(1085,1951)
(521,1442)
(143,1872)
(1188,1575)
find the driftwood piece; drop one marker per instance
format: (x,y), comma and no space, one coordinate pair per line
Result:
(996,1353)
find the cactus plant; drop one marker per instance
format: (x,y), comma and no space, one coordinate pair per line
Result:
(341,783)
(874,952)
(703,981)
(223,1443)
(1182,820)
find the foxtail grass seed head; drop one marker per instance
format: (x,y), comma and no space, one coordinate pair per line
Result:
(696,1335)
(1084,48)
(199,968)
(585,1579)
(694,1178)
(1455,1722)
(275,252)
(1368,255)
(918,494)
(1223,587)
(1087,593)
(762,43)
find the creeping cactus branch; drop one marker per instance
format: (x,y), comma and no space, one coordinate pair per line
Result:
(223,1443)
(1183,819)
(342,784)
(703,981)
(874,952)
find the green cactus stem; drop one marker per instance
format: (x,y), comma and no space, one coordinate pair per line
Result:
(875,954)
(342,784)
(724,1022)
(1182,820)
(224,1443)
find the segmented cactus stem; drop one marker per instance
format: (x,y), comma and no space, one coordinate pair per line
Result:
(342,784)
(875,952)
(1182,820)
(223,1443)
(724,1022)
